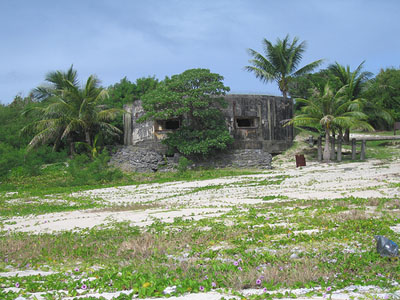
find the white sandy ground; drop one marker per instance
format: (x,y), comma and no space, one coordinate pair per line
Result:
(367,179)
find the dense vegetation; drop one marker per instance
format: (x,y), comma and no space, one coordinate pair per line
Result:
(194,100)
(64,119)
(55,144)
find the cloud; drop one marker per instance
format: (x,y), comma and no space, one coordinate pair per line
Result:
(121,38)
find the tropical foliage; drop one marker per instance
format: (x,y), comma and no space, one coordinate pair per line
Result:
(280,62)
(354,80)
(330,111)
(14,161)
(194,99)
(71,113)
(126,92)
(63,115)
(383,94)
(353,94)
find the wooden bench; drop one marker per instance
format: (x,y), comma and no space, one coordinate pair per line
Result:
(396,125)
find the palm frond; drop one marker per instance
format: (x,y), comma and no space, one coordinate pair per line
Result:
(304,120)
(261,67)
(109,114)
(110,129)
(73,126)
(308,68)
(41,138)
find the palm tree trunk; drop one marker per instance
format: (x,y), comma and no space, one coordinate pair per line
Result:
(87,138)
(347,136)
(71,148)
(326,156)
(340,135)
(284,94)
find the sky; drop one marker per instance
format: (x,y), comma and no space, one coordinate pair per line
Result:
(135,38)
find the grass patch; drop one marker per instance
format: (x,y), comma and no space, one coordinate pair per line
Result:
(266,246)
(289,244)
(55,180)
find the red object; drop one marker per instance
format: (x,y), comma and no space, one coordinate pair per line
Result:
(300,160)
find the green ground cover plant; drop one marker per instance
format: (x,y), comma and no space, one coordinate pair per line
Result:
(82,174)
(280,243)
(199,256)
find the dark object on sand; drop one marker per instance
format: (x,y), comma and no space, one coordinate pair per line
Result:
(300,160)
(386,247)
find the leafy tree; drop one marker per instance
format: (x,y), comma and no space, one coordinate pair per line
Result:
(126,92)
(304,86)
(71,113)
(195,98)
(11,121)
(280,63)
(144,85)
(383,93)
(353,83)
(121,93)
(330,110)
(14,161)
(354,80)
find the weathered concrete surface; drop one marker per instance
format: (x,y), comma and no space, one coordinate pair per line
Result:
(254,121)
(257,122)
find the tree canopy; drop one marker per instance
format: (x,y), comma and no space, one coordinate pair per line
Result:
(125,91)
(330,110)
(280,62)
(70,113)
(193,97)
(384,94)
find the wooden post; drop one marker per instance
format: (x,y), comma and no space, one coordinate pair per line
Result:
(339,149)
(363,144)
(353,149)
(311,141)
(320,148)
(396,125)
(333,154)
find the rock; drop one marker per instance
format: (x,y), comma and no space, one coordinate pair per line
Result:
(136,159)
(141,159)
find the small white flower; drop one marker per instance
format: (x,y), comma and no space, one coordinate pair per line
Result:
(169,290)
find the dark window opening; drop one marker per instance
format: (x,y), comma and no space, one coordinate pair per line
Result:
(248,122)
(171,124)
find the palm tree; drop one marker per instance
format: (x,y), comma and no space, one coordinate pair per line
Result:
(57,82)
(331,111)
(354,81)
(71,113)
(280,62)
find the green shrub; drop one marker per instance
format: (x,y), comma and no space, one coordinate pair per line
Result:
(84,171)
(194,99)
(183,164)
(9,159)
(17,163)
